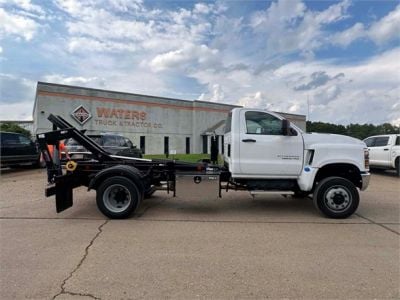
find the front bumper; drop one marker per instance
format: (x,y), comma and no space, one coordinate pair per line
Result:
(365,180)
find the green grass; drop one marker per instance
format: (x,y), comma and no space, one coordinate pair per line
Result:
(181,157)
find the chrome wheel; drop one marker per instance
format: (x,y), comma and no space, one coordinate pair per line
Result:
(116,198)
(338,198)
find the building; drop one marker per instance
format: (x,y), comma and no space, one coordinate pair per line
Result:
(155,124)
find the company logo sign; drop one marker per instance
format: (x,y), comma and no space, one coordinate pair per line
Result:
(81,115)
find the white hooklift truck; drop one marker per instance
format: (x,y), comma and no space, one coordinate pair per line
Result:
(264,153)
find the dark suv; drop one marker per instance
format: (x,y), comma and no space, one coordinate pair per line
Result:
(17,149)
(112,143)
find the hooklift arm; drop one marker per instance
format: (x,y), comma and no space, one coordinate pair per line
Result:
(64,184)
(69,131)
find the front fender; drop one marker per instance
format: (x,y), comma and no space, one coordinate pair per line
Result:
(327,154)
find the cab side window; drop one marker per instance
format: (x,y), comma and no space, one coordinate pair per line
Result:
(398,140)
(370,142)
(381,141)
(262,123)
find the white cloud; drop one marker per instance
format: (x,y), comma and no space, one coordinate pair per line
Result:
(76,8)
(380,32)
(288,26)
(126,5)
(387,28)
(16,97)
(365,92)
(188,55)
(334,13)
(156,31)
(81,45)
(74,80)
(26,5)
(16,25)
(203,8)
(348,36)
(16,111)
(108,28)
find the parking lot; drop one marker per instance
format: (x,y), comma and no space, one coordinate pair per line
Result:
(235,247)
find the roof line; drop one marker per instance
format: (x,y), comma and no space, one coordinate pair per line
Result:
(132,94)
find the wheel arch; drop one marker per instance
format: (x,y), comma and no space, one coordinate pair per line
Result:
(396,160)
(119,170)
(344,170)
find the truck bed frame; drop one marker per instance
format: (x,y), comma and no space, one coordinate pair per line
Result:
(149,175)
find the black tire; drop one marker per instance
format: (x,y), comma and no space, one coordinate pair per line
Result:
(336,197)
(118,197)
(398,167)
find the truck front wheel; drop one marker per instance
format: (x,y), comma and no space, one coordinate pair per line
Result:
(117,197)
(336,197)
(398,167)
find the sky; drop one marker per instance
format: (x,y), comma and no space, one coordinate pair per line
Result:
(333,61)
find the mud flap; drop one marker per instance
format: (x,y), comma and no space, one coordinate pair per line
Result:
(63,190)
(64,196)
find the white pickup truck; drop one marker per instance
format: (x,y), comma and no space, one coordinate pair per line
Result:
(264,152)
(384,151)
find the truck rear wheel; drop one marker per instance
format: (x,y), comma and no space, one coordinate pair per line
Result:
(117,197)
(336,197)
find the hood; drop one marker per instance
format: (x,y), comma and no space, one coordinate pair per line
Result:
(311,139)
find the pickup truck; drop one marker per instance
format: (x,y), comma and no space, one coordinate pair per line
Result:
(384,151)
(264,154)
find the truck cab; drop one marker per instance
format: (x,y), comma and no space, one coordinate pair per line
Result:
(260,147)
(265,152)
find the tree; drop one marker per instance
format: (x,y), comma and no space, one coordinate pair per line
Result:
(12,127)
(360,131)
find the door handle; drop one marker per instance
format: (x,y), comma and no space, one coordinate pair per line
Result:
(386,149)
(249,141)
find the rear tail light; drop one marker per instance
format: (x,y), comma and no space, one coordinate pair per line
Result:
(366,159)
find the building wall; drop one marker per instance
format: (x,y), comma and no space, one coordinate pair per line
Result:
(131,115)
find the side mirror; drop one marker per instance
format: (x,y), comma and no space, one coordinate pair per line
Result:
(286,127)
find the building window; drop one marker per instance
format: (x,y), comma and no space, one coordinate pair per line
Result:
(166,145)
(143,144)
(222,144)
(205,144)
(188,145)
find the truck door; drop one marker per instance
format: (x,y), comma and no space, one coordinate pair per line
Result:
(380,151)
(264,150)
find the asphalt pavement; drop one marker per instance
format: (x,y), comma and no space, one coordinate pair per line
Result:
(234,247)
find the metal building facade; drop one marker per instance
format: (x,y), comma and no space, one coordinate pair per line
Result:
(155,123)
